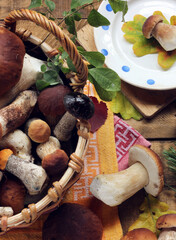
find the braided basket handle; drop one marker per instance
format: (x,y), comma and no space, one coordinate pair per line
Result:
(52,27)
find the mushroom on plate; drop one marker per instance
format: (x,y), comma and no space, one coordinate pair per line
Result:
(145,170)
(164,33)
(140,234)
(167,224)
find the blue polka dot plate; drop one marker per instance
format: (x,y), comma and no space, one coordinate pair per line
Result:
(143,72)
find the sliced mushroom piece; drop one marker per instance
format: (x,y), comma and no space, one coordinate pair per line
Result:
(167,224)
(140,234)
(164,33)
(145,170)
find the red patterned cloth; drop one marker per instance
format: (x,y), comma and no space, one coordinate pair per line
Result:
(125,138)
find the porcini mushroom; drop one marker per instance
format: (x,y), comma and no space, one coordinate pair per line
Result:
(19,143)
(167,224)
(145,171)
(48,147)
(32,176)
(38,130)
(140,234)
(12,52)
(54,160)
(164,33)
(15,114)
(72,221)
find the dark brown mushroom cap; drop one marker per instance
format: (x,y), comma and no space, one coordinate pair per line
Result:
(50,100)
(140,234)
(166,221)
(150,24)
(72,221)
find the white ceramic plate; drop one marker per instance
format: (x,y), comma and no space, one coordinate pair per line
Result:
(143,72)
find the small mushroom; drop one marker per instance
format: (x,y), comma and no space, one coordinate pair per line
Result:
(54,160)
(32,176)
(48,147)
(38,130)
(6,211)
(19,143)
(79,105)
(72,221)
(167,224)
(140,234)
(164,33)
(145,171)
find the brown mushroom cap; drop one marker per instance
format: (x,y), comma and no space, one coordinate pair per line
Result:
(140,234)
(150,24)
(152,163)
(39,131)
(166,221)
(55,163)
(72,221)
(50,100)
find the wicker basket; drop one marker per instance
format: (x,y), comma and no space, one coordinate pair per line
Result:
(75,166)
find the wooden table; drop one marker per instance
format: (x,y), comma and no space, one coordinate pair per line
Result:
(160,131)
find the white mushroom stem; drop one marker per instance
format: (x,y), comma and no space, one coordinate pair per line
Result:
(167,234)
(6,211)
(33,176)
(145,171)
(165,34)
(30,71)
(19,143)
(113,189)
(48,147)
(15,114)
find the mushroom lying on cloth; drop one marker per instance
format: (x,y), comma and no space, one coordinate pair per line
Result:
(145,171)
(167,225)
(72,221)
(164,33)
(140,234)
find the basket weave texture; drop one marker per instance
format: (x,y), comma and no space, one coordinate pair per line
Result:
(75,166)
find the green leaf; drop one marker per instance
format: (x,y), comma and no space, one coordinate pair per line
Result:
(43,68)
(35,3)
(121,105)
(119,6)
(50,76)
(95,58)
(71,65)
(79,3)
(69,21)
(105,81)
(106,78)
(41,84)
(95,19)
(77,16)
(50,4)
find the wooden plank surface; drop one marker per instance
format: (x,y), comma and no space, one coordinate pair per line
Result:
(147,102)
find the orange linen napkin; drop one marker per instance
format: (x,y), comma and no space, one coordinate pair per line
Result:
(100,158)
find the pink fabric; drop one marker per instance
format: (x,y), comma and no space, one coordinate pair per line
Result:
(125,138)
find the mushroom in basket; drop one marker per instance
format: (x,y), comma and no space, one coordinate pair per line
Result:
(145,171)
(167,225)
